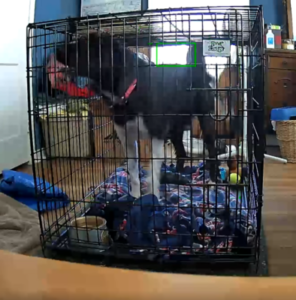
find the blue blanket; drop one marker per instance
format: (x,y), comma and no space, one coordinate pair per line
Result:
(190,216)
(21,187)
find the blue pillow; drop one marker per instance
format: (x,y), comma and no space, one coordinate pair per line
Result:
(21,186)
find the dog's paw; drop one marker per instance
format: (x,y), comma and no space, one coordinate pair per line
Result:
(135,190)
(153,191)
(211,184)
(135,194)
(156,193)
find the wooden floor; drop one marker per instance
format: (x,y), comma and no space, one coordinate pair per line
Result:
(279,208)
(279,217)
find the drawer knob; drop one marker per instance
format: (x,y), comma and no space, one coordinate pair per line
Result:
(284,80)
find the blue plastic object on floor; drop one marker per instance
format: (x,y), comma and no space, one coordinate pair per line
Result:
(21,187)
(283,113)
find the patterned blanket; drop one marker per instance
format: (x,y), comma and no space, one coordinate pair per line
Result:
(186,218)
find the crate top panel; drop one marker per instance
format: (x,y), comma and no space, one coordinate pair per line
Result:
(165,25)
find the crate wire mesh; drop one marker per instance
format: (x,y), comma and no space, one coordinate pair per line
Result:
(98,214)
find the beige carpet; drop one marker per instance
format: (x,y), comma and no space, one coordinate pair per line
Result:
(19,226)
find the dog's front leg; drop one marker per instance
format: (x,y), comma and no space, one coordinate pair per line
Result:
(128,143)
(157,159)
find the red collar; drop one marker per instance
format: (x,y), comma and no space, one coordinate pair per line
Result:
(123,100)
(130,89)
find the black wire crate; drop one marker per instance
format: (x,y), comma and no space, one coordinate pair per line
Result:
(146,127)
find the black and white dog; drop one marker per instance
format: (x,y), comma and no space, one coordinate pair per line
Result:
(147,102)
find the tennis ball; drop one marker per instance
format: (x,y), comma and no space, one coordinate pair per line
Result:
(234,178)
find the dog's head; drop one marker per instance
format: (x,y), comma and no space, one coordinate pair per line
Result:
(99,58)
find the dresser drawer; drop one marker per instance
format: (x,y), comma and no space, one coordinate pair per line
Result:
(281,90)
(286,63)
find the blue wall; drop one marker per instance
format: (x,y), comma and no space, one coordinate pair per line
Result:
(272,9)
(48,10)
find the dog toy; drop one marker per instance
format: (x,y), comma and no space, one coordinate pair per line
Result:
(223,173)
(234,178)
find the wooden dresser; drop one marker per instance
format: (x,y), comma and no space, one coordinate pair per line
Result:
(280,80)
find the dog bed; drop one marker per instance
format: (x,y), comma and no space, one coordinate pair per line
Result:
(190,216)
(19,226)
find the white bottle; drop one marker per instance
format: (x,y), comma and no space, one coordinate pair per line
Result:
(269,39)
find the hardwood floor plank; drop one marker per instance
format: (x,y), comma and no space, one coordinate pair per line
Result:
(279,217)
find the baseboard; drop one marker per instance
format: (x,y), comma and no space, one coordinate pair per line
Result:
(37,157)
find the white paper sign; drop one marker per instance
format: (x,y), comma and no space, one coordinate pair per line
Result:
(216,47)
(101,7)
